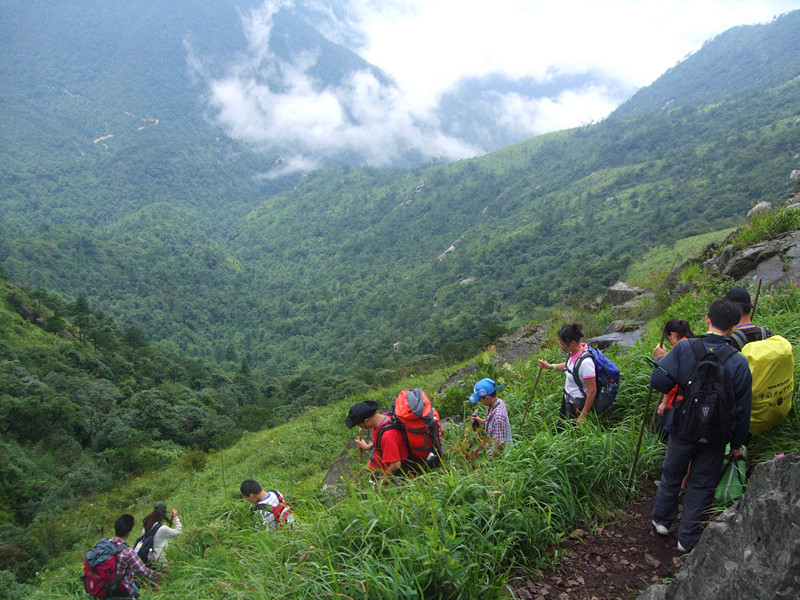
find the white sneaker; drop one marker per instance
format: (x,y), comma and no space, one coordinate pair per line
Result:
(660,529)
(681,548)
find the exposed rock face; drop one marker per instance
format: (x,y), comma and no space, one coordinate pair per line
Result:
(524,342)
(621,292)
(753,549)
(774,261)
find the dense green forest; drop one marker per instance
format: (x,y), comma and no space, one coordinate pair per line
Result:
(109,404)
(172,229)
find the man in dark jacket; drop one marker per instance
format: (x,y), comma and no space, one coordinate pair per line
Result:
(706,459)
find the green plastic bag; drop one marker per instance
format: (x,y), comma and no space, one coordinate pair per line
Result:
(731,485)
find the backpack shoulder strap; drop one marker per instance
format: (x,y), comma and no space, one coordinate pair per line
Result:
(698,348)
(725,352)
(766,332)
(739,339)
(576,370)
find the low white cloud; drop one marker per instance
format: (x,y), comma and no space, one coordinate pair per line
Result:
(429,47)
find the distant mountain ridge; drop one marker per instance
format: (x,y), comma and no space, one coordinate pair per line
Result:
(740,59)
(175,232)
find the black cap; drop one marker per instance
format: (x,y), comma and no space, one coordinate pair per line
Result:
(739,294)
(360,411)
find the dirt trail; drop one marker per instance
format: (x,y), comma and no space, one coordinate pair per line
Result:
(615,561)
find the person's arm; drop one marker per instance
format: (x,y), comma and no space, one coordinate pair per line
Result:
(172,531)
(140,567)
(591,393)
(393,467)
(364,445)
(552,366)
(743,388)
(662,382)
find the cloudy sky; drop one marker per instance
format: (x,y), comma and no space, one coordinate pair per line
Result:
(429,46)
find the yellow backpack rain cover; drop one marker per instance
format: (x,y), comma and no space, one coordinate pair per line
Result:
(772,365)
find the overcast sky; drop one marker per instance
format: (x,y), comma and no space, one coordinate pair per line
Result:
(428,46)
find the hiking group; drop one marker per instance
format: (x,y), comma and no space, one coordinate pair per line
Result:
(719,388)
(714,385)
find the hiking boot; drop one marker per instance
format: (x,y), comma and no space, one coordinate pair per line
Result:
(660,529)
(681,548)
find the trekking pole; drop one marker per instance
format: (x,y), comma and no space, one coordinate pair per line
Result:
(639,443)
(360,462)
(755,302)
(531,398)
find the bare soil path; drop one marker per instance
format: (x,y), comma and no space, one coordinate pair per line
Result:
(616,561)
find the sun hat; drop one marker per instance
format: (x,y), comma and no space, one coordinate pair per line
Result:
(485,387)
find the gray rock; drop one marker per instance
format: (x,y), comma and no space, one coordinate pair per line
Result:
(752,550)
(621,292)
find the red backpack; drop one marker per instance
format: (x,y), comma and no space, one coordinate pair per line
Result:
(100,568)
(419,423)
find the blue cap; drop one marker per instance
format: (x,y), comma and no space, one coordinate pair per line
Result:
(484,387)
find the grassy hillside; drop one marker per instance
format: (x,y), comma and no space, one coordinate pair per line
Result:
(432,537)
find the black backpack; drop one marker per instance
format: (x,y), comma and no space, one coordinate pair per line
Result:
(706,413)
(144,545)
(741,337)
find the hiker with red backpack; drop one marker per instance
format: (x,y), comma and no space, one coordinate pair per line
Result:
(405,440)
(389,450)
(712,407)
(110,567)
(269,507)
(496,423)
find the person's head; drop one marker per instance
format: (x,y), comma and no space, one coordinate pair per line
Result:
(569,336)
(741,297)
(723,316)
(485,391)
(123,525)
(251,490)
(159,515)
(677,329)
(362,414)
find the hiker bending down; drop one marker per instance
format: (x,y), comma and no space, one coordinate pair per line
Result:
(269,507)
(496,422)
(712,408)
(389,450)
(153,528)
(580,391)
(128,562)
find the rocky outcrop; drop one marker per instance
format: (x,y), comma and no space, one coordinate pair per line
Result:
(752,550)
(773,261)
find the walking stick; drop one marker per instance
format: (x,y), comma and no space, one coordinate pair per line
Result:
(531,398)
(360,462)
(639,443)
(755,303)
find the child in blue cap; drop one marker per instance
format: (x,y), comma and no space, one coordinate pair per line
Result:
(496,422)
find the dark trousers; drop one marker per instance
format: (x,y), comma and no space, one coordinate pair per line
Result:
(704,476)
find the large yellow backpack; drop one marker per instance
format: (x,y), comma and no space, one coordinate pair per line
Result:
(772,365)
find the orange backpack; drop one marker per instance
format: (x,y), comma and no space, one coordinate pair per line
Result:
(421,427)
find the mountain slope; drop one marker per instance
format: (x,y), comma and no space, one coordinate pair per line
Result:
(747,57)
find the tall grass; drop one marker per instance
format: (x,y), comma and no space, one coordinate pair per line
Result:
(767,225)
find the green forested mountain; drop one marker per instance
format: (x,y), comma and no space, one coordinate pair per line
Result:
(748,57)
(384,270)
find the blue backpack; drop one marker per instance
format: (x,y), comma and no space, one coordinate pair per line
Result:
(607,377)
